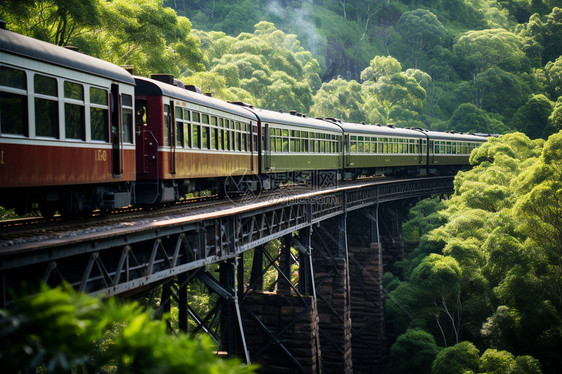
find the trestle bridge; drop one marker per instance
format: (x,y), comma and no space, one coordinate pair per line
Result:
(322,314)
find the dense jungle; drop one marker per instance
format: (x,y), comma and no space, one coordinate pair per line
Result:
(480,291)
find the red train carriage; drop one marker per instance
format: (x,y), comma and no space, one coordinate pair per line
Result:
(66,129)
(187,141)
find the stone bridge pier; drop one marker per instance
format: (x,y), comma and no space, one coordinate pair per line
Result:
(309,302)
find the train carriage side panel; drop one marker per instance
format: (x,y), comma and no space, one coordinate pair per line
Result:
(293,143)
(65,122)
(190,141)
(55,121)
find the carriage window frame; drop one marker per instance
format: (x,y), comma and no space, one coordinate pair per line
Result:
(74,105)
(178,117)
(49,101)
(127,118)
(99,110)
(10,94)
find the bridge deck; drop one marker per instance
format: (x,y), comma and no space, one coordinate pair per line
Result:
(137,253)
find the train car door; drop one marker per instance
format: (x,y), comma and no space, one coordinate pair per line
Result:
(346,150)
(170,134)
(254,134)
(267,150)
(116,138)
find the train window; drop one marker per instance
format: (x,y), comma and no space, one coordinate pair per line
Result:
(205,119)
(213,138)
(285,135)
(205,137)
(14,78)
(11,108)
(127,118)
(196,117)
(187,133)
(74,121)
(46,85)
(228,140)
(221,139)
(46,106)
(236,140)
(99,114)
(73,91)
(12,105)
(195,135)
(187,128)
(99,96)
(278,143)
(167,128)
(179,127)
(74,111)
(255,137)
(293,145)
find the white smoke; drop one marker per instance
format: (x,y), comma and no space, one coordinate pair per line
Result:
(299,21)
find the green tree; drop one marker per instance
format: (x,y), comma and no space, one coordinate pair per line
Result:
(497,362)
(463,357)
(495,91)
(543,35)
(533,117)
(469,118)
(390,95)
(555,119)
(339,99)
(63,331)
(420,32)
(483,49)
(413,352)
(553,72)
(55,21)
(269,67)
(422,218)
(438,279)
(381,66)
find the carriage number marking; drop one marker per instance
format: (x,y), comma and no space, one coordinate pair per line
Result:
(101,155)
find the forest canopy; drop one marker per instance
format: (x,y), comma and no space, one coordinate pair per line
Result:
(485,276)
(481,65)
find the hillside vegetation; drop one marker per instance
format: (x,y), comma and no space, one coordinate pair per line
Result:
(484,287)
(464,65)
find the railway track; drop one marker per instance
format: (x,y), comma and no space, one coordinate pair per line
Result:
(35,229)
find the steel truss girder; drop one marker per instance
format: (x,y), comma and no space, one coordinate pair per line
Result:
(130,259)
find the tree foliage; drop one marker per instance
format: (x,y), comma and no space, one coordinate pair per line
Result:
(494,264)
(60,330)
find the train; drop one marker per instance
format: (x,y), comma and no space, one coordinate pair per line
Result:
(78,134)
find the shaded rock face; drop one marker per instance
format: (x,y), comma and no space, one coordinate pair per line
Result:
(338,64)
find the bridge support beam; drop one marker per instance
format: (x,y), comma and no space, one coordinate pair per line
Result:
(281,327)
(331,273)
(367,308)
